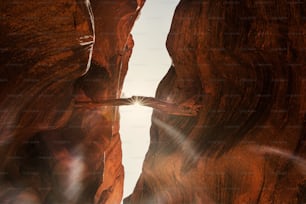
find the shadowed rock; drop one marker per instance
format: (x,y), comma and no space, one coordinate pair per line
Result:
(246,61)
(53,52)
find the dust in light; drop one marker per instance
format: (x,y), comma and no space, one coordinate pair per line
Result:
(149,63)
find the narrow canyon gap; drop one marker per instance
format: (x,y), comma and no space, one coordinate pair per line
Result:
(242,63)
(148,64)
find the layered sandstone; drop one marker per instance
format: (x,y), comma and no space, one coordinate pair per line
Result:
(52,54)
(244,62)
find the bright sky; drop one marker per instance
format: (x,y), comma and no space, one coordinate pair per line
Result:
(149,63)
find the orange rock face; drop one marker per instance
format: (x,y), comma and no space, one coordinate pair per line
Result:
(244,62)
(53,53)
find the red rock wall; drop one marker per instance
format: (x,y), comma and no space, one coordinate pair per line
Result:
(53,53)
(244,62)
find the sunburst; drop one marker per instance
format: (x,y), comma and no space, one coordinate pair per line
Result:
(137,100)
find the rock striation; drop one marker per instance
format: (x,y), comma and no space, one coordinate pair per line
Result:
(244,62)
(52,54)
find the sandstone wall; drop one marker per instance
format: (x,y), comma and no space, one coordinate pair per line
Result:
(244,62)
(52,54)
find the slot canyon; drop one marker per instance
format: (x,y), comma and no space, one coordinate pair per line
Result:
(238,65)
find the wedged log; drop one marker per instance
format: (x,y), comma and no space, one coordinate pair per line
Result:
(246,61)
(190,109)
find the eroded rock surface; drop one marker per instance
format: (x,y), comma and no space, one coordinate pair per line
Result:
(244,61)
(52,54)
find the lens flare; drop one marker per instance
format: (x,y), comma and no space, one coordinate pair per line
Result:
(298,161)
(178,137)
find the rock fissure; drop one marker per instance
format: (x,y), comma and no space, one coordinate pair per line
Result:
(238,70)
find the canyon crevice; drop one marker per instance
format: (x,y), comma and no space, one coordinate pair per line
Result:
(241,62)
